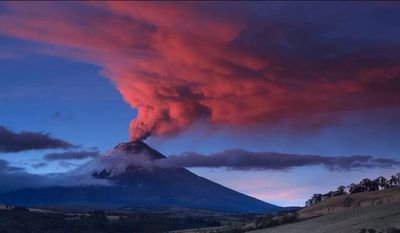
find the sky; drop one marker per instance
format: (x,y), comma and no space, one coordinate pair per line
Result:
(298,78)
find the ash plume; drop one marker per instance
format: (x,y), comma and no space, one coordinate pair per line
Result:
(222,63)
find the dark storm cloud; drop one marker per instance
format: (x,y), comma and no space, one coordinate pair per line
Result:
(16,142)
(71,155)
(238,159)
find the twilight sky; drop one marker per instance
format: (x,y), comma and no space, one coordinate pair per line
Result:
(266,79)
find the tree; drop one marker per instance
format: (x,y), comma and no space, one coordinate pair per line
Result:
(354,188)
(393,181)
(374,185)
(381,181)
(398,179)
(368,185)
(308,203)
(341,190)
(314,199)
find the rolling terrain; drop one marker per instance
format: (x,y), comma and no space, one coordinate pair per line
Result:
(378,217)
(344,202)
(351,213)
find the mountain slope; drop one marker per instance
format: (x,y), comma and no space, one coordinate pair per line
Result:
(134,185)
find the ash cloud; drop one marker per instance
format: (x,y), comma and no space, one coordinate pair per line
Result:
(238,159)
(238,63)
(16,142)
(71,155)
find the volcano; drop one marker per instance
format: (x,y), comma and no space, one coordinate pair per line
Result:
(137,185)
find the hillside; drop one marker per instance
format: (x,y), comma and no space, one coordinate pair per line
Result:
(340,203)
(379,217)
(350,213)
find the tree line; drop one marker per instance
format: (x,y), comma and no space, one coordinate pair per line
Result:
(366,185)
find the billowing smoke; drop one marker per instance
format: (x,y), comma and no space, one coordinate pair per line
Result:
(223,63)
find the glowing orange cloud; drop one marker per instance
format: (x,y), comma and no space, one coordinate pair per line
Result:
(182,62)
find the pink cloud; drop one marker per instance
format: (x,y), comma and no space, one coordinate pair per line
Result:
(178,63)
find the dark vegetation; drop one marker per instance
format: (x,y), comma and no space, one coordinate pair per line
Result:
(269,220)
(366,185)
(21,220)
(275,220)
